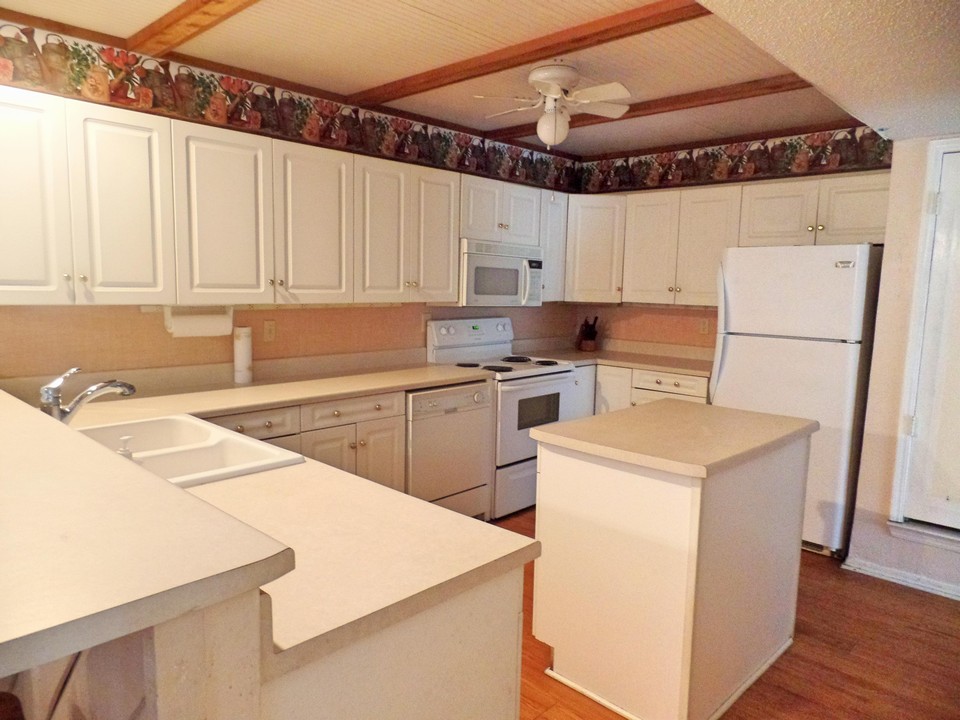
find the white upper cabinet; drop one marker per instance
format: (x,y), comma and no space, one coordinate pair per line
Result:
(35,242)
(499,211)
(846,209)
(595,234)
(709,222)
(313,224)
(650,247)
(553,242)
(121,186)
(406,220)
(223,183)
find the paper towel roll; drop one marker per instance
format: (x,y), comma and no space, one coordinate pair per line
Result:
(242,355)
(198,321)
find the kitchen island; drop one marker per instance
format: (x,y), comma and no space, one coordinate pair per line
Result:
(394,603)
(671,544)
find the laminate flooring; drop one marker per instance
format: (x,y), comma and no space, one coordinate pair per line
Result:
(864,649)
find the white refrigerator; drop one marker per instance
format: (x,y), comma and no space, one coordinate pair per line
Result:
(794,332)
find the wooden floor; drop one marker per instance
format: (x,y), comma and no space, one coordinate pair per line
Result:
(864,649)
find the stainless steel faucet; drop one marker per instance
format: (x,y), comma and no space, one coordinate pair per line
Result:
(50,395)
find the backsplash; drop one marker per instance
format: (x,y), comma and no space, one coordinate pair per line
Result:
(42,340)
(40,60)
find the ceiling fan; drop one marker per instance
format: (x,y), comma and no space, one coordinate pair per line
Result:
(555,85)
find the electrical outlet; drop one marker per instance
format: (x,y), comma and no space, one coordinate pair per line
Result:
(269,330)
(704,326)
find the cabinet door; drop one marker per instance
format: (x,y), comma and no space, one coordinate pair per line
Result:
(584,392)
(853,209)
(553,242)
(313,233)
(480,208)
(521,214)
(434,249)
(780,213)
(613,389)
(35,241)
(381,225)
(595,248)
(121,186)
(650,247)
(381,451)
(223,186)
(709,222)
(336,446)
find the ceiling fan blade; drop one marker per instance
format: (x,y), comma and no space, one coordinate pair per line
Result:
(513,110)
(604,109)
(547,89)
(515,98)
(599,93)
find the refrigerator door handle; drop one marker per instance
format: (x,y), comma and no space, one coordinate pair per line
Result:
(721,300)
(717,366)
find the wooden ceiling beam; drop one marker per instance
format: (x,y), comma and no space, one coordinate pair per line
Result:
(701,98)
(613,27)
(184,22)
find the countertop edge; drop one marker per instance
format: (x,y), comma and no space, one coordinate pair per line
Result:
(276,662)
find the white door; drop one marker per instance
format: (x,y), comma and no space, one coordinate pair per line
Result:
(521,214)
(853,209)
(807,379)
(709,223)
(313,234)
(35,242)
(433,254)
(933,471)
(336,446)
(650,247)
(779,213)
(481,201)
(812,292)
(595,248)
(553,242)
(381,205)
(223,187)
(121,186)
(381,451)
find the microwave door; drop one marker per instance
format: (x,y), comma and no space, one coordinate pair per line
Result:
(492,280)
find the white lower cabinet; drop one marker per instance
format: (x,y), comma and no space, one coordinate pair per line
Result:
(584,391)
(362,435)
(619,388)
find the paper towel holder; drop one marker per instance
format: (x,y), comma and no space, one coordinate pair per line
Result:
(198,321)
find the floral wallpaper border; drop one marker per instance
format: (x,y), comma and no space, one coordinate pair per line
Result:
(67,66)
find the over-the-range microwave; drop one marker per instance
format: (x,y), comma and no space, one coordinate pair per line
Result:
(494,274)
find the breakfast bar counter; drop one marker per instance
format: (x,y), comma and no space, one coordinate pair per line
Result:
(670,553)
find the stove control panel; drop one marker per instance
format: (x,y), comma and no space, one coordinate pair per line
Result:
(475,332)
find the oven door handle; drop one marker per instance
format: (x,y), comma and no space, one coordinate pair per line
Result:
(513,386)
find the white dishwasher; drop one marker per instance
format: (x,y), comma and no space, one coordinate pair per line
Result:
(451,442)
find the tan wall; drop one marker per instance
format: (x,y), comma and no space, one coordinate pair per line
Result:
(47,340)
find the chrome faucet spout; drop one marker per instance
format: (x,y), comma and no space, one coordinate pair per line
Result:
(50,395)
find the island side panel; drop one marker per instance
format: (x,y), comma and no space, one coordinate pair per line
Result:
(747,574)
(459,660)
(613,588)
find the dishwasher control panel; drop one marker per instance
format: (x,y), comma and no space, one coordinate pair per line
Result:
(448,400)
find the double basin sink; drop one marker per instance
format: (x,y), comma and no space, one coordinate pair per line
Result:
(187,451)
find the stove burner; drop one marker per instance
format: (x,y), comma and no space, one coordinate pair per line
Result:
(498,368)
(468,364)
(547,362)
(515,359)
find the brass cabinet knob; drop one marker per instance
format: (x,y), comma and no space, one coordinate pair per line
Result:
(809,228)
(820,227)
(336,413)
(363,443)
(240,429)
(353,446)
(268,424)
(670,289)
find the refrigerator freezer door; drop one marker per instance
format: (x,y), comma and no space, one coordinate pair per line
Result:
(797,291)
(807,379)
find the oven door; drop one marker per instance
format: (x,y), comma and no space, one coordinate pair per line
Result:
(523,404)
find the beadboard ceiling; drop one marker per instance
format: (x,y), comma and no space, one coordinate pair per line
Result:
(752,69)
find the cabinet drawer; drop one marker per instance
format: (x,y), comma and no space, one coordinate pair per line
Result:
(639,397)
(670,382)
(262,424)
(351,410)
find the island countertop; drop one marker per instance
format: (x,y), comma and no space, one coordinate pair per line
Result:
(675,436)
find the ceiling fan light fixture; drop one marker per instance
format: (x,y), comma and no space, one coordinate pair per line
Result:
(553,126)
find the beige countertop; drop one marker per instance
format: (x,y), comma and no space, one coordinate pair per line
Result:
(662,363)
(257,397)
(680,437)
(93,547)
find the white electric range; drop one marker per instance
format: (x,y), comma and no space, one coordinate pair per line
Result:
(530,391)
